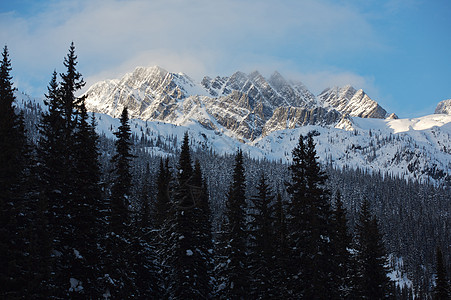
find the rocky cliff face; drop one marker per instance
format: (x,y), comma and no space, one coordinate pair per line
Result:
(444,107)
(350,101)
(245,105)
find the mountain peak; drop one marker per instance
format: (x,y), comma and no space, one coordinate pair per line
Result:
(350,101)
(443,107)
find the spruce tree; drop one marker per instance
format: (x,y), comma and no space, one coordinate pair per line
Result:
(310,225)
(234,273)
(188,261)
(13,165)
(58,177)
(162,201)
(441,291)
(162,216)
(282,253)
(202,228)
(119,266)
(89,217)
(342,244)
(372,281)
(261,246)
(120,190)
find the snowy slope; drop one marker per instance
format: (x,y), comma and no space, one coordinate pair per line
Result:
(411,148)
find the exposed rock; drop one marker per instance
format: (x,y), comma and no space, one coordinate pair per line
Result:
(348,100)
(444,107)
(249,106)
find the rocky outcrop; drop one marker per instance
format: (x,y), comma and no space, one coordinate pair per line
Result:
(444,107)
(355,103)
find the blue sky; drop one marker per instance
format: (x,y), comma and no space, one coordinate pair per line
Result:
(398,51)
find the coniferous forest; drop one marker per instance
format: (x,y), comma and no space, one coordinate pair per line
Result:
(86,217)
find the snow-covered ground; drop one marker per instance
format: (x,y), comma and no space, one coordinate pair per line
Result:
(412,148)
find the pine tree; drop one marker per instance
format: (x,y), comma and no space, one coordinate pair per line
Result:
(162,201)
(282,253)
(119,266)
(261,247)
(372,281)
(49,183)
(441,291)
(234,274)
(120,190)
(58,173)
(188,261)
(89,216)
(342,244)
(162,216)
(202,229)
(13,164)
(310,225)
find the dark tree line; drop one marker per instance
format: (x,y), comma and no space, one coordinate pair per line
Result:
(70,230)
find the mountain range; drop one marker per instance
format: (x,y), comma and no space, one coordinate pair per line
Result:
(247,105)
(264,117)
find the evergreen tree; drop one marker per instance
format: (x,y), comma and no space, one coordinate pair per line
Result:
(262,248)
(89,216)
(441,291)
(119,266)
(310,225)
(162,201)
(162,212)
(143,252)
(342,244)
(188,262)
(282,253)
(120,190)
(372,281)
(234,274)
(13,164)
(202,229)
(58,179)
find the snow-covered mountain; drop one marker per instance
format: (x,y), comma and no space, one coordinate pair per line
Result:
(443,107)
(264,117)
(348,100)
(417,148)
(246,105)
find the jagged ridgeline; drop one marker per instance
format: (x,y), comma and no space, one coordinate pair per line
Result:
(248,105)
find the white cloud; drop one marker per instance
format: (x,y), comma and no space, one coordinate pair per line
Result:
(196,37)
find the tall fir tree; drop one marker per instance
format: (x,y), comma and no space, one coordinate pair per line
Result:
(282,253)
(442,289)
(310,225)
(57,159)
(371,258)
(13,164)
(262,250)
(89,216)
(162,204)
(118,265)
(203,232)
(189,278)
(120,190)
(234,273)
(342,244)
